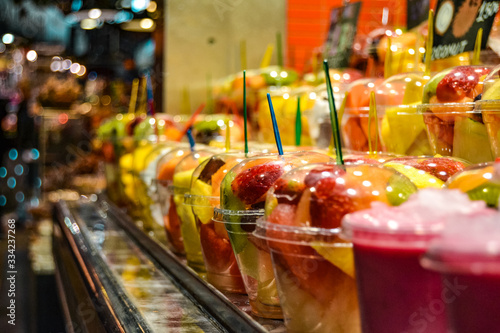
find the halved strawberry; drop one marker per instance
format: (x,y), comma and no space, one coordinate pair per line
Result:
(440,167)
(459,83)
(251,185)
(322,172)
(287,191)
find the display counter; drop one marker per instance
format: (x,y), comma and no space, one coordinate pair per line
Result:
(114,277)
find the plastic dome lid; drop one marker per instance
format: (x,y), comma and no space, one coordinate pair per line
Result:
(479,182)
(185,168)
(401,89)
(427,171)
(245,186)
(491,85)
(319,195)
(168,162)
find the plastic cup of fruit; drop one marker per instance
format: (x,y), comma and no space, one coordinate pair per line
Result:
(427,171)
(367,158)
(181,186)
(402,128)
(242,198)
(395,293)
(218,255)
(314,267)
(479,182)
(164,179)
(489,106)
(467,257)
(458,130)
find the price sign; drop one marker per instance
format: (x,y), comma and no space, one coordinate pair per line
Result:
(341,34)
(417,11)
(457,23)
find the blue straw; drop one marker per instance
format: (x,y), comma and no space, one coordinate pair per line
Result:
(189,134)
(245,110)
(275,126)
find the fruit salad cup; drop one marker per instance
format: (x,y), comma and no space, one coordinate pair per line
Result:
(489,106)
(467,257)
(181,186)
(454,126)
(395,293)
(427,171)
(218,255)
(314,267)
(164,178)
(402,128)
(479,182)
(242,198)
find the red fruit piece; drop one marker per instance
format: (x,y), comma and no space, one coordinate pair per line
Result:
(442,168)
(251,185)
(329,204)
(322,172)
(283,214)
(459,83)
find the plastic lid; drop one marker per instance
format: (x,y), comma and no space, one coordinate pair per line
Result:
(185,168)
(168,162)
(468,244)
(319,195)
(458,84)
(479,182)
(358,98)
(367,158)
(491,85)
(412,224)
(401,90)
(427,171)
(245,186)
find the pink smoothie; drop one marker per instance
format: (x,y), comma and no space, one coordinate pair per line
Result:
(395,293)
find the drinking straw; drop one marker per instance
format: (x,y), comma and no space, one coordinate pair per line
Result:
(298,124)
(149,95)
(189,134)
(245,111)
(341,116)
(228,134)
(430,41)
(190,121)
(277,137)
(279,50)
(477,47)
(243,54)
(266,60)
(372,116)
(333,115)
(185,103)
(133,96)
(388,59)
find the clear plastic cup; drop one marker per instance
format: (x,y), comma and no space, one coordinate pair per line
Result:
(395,293)
(454,126)
(314,267)
(467,256)
(218,255)
(164,178)
(479,182)
(427,171)
(181,186)
(402,128)
(242,199)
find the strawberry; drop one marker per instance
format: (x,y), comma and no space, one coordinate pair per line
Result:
(329,203)
(360,160)
(459,83)
(251,185)
(440,167)
(287,191)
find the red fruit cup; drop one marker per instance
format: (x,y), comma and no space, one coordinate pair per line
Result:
(243,193)
(218,255)
(395,293)
(314,268)
(164,178)
(467,256)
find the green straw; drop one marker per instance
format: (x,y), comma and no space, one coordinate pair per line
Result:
(430,41)
(333,114)
(298,124)
(477,48)
(245,110)
(372,116)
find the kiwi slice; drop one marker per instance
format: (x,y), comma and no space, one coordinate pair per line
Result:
(488,192)
(402,188)
(229,201)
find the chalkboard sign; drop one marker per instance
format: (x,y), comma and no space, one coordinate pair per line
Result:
(417,11)
(341,34)
(457,23)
